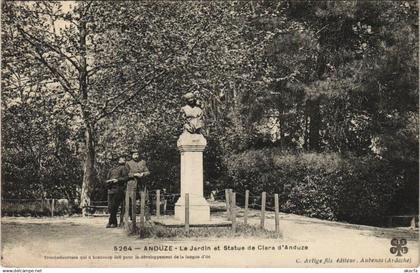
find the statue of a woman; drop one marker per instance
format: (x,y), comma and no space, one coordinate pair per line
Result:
(192,115)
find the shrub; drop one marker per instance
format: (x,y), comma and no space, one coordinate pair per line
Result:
(31,208)
(331,186)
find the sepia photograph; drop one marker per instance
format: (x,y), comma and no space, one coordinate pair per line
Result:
(211,134)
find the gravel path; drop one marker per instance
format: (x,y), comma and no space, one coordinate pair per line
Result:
(44,242)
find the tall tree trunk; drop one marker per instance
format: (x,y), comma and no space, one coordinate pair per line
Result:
(313,124)
(313,110)
(89,164)
(88,170)
(306,128)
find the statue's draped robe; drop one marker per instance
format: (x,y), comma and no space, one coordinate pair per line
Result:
(193,119)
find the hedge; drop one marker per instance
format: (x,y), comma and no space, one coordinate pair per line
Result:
(36,208)
(356,189)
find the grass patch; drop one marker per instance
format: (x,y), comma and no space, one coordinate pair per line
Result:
(151,230)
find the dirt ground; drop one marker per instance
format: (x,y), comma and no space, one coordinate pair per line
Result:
(45,242)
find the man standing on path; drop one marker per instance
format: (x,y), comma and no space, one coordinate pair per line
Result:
(136,170)
(117,177)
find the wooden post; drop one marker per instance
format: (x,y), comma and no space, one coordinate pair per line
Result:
(126,207)
(157,203)
(230,203)
(413,223)
(233,210)
(187,212)
(276,212)
(142,207)
(227,203)
(246,207)
(133,210)
(165,202)
(262,209)
(52,207)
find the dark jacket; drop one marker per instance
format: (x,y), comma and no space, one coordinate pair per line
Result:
(121,174)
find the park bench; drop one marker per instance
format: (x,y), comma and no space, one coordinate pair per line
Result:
(413,218)
(98,208)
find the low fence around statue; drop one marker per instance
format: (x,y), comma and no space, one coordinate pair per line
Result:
(231,208)
(260,203)
(162,203)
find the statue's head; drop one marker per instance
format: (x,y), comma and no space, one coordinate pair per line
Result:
(190,98)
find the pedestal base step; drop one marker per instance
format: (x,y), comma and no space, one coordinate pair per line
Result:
(171,221)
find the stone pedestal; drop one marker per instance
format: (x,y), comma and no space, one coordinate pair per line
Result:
(191,147)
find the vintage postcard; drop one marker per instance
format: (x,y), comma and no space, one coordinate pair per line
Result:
(210,134)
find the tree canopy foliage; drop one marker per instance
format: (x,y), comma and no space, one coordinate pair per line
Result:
(85,81)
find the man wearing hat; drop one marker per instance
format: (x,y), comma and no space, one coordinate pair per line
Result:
(117,177)
(137,169)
